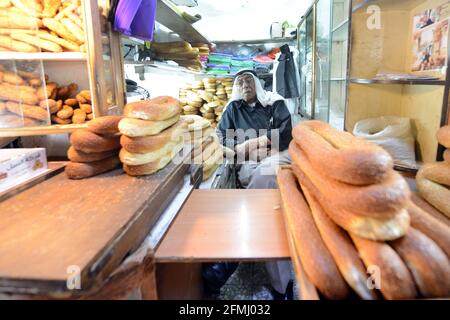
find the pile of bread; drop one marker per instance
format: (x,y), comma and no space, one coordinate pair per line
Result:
(433,179)
(207,97)
(94,150)
(25,100)
(358,217)
(181,52)
(152,135)
(203,52)
(207,149)
(41,25)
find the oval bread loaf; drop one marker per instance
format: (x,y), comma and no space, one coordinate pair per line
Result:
(157,109)
(105,125)
(89,142)
(75,155)
(78,170)
(340,155)
(428,264)
(430,226)
(378,200)
(373,228)
(443,136)
(342,249)
(316,259)
(395,280)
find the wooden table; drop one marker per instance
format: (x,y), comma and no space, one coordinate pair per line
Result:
(227,225)
(219,225)
(62,226)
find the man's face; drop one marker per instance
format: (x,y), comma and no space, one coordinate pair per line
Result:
(246,85)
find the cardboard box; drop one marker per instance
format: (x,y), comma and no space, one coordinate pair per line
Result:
(20,165)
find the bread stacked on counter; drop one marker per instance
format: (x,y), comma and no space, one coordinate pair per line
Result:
(41,25)
(207,149)
(151,135)
(433,179)
(203,52)
(207,97)
(179,51)
(94,150)
(25,100)
(358,217)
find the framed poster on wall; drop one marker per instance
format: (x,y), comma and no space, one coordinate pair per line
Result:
(430,39)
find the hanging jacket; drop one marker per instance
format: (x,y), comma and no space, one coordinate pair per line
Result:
(286,77)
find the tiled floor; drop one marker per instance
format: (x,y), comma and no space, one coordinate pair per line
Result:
(250,281)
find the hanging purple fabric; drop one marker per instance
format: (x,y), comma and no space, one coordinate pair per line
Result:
(136,18)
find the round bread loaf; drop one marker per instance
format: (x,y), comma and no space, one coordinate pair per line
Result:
(146,144)
(78,170)
(208,173)
(135,159)
(137,128)
(443,136)
(196,122)
(433,183)
(157,109)
(89,142)
(75,155)
(152,167)
(105,125)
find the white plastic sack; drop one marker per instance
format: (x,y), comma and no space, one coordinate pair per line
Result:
(394,134)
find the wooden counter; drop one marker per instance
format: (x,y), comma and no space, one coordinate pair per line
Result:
(227,225)
(59,225)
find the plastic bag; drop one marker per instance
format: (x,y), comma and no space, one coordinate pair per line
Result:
(394,134)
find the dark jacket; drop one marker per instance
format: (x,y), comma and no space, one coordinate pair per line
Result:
(286,76)
(272,120)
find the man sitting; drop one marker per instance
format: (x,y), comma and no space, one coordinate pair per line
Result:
(257,125)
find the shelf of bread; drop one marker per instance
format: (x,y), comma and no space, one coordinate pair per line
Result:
(35,26)
(41,130)
(31,101)
(407,82)
(163,66)
(355,228)
(44,56)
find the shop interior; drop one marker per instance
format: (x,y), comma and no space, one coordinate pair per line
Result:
(116,180)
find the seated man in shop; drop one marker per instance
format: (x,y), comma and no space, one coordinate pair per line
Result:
(257,125)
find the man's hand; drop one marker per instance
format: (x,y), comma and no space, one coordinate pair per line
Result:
(249,147)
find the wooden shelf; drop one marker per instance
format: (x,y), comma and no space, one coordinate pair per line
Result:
(407,82)
(171,17)
(46,56)
(131,41)
(163,66)
(40,130)
(256,41)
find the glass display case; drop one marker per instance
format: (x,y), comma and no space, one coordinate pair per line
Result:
(55,74)
(400,68)
(323,44)
(339,57)
(305,63)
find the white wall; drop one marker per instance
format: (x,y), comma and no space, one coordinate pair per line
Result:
(245,19)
